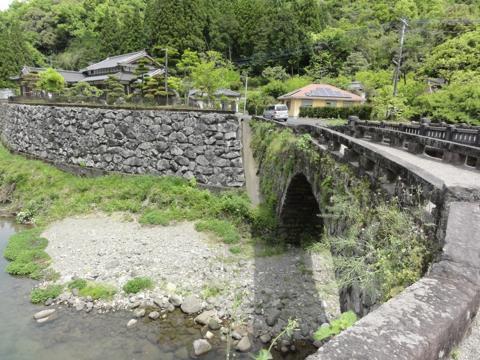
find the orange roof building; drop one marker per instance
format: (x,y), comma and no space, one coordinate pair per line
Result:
(319,95)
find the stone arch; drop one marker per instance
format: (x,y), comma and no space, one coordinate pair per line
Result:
(299,212)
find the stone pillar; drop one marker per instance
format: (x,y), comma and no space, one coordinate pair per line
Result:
(454,158)
(416,148)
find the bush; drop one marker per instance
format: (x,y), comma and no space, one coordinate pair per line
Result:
(137,284)
(98,291)
(77,284)
(362,111)
(40,295)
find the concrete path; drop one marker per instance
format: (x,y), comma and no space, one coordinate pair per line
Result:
(252,180)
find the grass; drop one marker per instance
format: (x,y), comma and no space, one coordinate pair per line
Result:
(26,251)
(44,194)
(212,290)
(40,295)
(98,291)
(77,284)
(224,229)
(137,284)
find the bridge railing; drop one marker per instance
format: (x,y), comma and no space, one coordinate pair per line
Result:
(462,134)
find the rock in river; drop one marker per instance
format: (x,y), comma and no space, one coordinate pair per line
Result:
(205,317)
(132,323)
(154,315)
(201,347)
(43,314)
(139,313)
(244,345)
(191,305)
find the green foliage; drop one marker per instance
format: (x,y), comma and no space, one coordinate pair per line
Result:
(50,81)
(26,251)
(212,74)
(137,284)
(40,295)
(77,284)
(224,229)
(83,89)
(346,320)
(327,112)
(275,73)
(98,291)
(456,102)
(114,90)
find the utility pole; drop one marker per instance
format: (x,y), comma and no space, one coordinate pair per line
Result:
(166,73)
(398,63)
(246,89)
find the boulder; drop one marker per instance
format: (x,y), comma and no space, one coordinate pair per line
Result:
(191,305)
(43,314)
(201,346)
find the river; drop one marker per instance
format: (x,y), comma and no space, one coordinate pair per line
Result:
(82,336)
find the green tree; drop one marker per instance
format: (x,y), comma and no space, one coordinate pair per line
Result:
(461,53)
(177,24)
(83,89)
(275,73)
(50,81)
(114,90)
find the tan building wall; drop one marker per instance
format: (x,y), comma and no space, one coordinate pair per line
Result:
(294,105)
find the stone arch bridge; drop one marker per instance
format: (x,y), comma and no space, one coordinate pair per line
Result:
(429,318)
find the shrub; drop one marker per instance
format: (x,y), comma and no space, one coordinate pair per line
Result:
(98,291)
(137,284)
(345,320)
(40,295)
(222,228)
(362,111)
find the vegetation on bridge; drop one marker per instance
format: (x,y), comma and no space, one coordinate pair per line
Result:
(377,245)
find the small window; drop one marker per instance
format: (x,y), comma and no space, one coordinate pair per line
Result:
(307,103)
(331,103)
(281,107)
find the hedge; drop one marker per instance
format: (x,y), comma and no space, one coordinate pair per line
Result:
(364,112)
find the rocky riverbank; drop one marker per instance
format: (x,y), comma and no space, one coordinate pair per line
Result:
(239,296)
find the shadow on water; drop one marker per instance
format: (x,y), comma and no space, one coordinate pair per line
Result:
(288,286)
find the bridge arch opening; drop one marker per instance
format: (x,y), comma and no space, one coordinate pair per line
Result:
(300,216)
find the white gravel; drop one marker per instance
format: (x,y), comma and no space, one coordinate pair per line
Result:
(182,261)
(112,251)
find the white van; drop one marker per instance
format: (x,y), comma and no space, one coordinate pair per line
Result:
(277,112)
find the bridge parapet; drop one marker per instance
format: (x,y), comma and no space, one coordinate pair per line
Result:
(458,145)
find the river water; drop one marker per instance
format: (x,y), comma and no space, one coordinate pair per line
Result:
(81,336)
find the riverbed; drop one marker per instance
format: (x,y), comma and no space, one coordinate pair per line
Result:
(80,335)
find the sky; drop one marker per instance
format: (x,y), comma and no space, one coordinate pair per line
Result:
(4,4)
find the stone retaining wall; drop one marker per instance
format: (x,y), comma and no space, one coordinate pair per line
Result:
(192,144)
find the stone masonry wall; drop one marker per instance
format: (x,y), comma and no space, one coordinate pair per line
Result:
(205,146)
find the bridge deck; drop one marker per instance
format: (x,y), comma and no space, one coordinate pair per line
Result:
(451,175)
